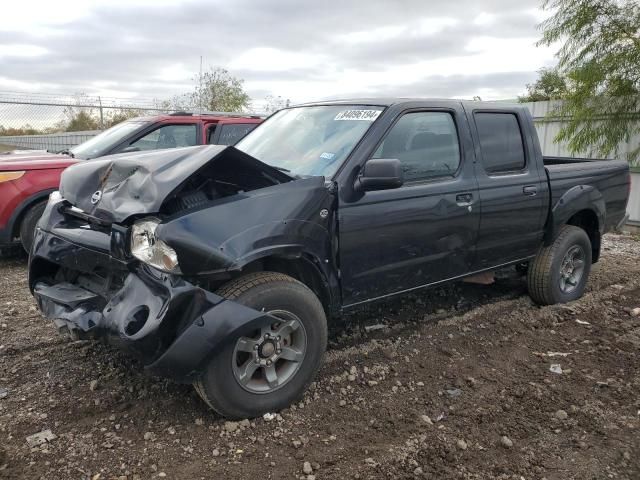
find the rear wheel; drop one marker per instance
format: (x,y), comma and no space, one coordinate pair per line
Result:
(28,225)
(560,271)
(267,369)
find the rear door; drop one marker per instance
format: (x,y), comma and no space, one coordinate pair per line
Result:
(423,232)
(510,187)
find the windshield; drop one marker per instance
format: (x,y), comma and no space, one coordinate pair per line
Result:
(98,145)
(312,140)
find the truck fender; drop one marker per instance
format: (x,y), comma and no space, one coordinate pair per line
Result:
(574,200)
(293,239)
(189,354)
(318,272)
(278,237)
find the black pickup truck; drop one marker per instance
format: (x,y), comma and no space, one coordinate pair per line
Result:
(219,266)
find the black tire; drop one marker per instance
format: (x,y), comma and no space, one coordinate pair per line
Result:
(545,273)
(268,291)
(28,225)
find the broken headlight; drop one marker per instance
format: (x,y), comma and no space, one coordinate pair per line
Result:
(145,246)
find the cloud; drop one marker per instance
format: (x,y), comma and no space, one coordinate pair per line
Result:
(299,50)
(21,50)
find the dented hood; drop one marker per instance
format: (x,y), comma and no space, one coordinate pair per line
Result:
(115,187)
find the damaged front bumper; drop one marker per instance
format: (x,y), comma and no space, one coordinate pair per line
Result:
(92,290)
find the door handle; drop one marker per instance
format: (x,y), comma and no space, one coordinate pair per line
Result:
(530,190)
(464,199)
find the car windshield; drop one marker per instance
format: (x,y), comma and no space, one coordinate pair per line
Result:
(312,140)
(101,143)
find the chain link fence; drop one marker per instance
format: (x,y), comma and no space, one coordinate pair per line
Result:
(55,122)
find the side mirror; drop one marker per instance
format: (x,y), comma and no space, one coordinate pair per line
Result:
(380,174)
(130,148)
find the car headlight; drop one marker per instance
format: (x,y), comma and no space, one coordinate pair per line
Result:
(9,176)
(145,246)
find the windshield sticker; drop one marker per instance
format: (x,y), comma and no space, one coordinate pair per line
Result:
(367,115)
(327,155)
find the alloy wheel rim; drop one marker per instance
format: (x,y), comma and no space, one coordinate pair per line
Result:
(572,269)
(268,358)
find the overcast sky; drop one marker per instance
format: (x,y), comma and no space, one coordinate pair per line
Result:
(297,49)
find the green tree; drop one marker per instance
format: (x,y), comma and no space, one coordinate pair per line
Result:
(176,103)
(273,104)
(218,90)
(550,85)
(26,129)
(79,116)
(600,55)
(118,115)
(82,120)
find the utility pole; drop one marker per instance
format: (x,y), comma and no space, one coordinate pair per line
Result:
(101,114)
(200,88)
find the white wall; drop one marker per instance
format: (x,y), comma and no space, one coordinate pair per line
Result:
(633,207)
(548,129)
(54,141)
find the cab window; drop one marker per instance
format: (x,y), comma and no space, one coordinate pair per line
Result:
(500,142)
(167,136)
(426,143)
(231,133)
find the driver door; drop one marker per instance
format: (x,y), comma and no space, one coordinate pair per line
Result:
(423,232)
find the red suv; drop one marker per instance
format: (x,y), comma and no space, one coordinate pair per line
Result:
(26,180)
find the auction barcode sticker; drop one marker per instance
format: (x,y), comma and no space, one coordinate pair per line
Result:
(368,115)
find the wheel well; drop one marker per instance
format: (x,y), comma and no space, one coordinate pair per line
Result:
(15,228)
(588,221)
(301,268)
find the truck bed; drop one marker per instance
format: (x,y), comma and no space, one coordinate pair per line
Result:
(608,181)
(570,160)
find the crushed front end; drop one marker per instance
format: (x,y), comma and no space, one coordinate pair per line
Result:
(85,282)
(131,248)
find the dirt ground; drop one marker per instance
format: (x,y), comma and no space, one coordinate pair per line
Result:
(458,384)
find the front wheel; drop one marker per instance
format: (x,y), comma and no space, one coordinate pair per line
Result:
(267,369)
(560,271)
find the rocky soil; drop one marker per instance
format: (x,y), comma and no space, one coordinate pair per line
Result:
(463,382)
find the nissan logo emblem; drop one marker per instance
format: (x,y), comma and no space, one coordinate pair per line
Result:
(95,198)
